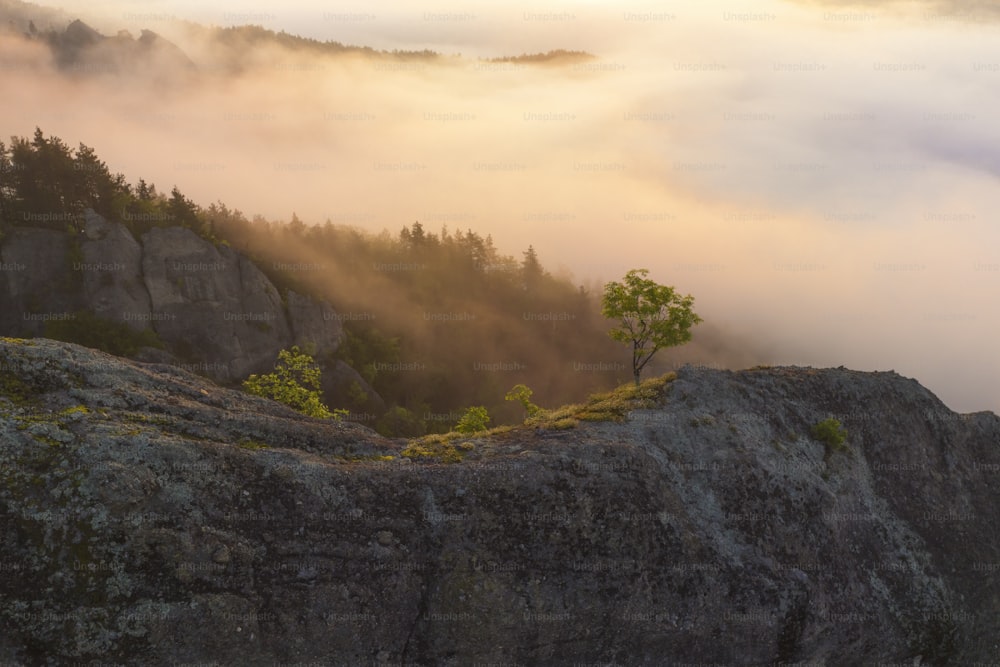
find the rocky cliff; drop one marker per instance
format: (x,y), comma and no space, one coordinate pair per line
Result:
(150,517)
(214,310)
(82,50)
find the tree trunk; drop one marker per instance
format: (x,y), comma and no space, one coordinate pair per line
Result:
(636,363)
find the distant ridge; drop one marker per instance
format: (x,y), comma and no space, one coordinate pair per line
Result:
(82,50)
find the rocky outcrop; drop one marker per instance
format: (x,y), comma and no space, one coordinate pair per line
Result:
(314,324)
(84,51)
(111,273)
(149,517)
(37,282)
(212,303)
(214,310)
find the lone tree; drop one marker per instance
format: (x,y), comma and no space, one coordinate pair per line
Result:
(652,316)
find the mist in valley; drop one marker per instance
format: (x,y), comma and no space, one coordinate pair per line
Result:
(819,176)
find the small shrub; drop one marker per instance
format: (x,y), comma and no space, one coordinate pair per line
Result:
(294,382)
(474,420)
(831,433)
(522,394)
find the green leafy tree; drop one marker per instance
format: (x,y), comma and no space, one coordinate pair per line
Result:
(651,316)
(522,394)
(474,420)
(294,382)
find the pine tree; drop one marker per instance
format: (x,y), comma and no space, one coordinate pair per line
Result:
(531,270)
(183,211)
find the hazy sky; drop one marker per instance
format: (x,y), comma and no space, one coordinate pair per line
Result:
(821,176)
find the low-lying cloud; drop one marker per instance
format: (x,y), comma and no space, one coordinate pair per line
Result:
(822,185)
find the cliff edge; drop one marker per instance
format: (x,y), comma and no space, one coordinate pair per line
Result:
(213,309)
(148,516)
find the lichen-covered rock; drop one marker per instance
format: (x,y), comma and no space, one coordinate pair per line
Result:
(150,517)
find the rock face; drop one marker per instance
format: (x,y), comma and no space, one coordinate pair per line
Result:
(314,323)
(149,517)
(113,282)
(212,303)
(340,381)
(37,282)
(82,50)
(212,307)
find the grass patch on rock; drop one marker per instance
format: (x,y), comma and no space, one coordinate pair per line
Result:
(438,448)
(16,390)
(609,406)
(248,443)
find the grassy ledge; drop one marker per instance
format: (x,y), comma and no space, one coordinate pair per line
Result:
(611,406)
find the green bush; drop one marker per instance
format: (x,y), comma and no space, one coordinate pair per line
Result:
(294,382)
(474,420)
(522,394)
(89,330)
(831,433)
